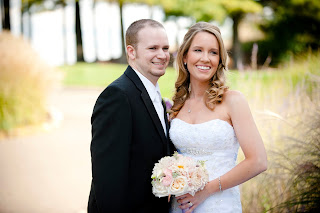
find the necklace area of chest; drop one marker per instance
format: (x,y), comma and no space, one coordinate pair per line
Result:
(195,106)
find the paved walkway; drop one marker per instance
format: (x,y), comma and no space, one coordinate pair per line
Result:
(50,171)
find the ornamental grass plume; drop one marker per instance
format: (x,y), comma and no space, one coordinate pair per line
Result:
(292,182)
(301,161)
(25,81)
(286,107)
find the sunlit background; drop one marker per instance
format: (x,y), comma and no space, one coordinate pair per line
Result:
(100,29)
(52,71)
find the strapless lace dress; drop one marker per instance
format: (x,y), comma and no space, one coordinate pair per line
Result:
(215,142)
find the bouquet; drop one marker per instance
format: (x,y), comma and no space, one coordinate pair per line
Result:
(178,175)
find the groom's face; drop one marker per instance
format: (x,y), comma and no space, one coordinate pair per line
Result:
(152,53)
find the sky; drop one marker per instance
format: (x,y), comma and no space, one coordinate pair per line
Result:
(101,22)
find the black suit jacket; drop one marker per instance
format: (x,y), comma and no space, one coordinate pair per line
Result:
(127,140)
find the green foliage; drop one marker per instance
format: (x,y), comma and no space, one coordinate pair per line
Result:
(244,6)
(293,28)
(208,10)
(24,82)
(40,5)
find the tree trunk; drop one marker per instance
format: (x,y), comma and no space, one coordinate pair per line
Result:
(23,9)
(21,19)
(123,58)
(78,33)
(64,34)
(29,22)
(6,15)
(95,34)
(236,45)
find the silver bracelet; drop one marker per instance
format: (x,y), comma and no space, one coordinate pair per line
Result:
(220,184)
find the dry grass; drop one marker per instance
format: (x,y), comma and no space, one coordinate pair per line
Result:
(25,81)
(287,113)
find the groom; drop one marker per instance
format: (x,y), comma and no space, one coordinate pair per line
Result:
(130,127)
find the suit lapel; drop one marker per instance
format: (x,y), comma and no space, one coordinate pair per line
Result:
(148,103)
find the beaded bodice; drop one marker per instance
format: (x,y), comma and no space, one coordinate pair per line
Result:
(215,142)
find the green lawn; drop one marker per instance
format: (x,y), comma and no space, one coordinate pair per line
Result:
(260,85)
(101,75)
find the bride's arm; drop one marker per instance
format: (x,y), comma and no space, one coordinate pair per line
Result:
(251,144)
(249,139)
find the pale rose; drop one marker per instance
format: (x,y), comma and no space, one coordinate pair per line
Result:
(178,186)
(166,181)
(196,178)
(159,189)
(178,175)
(159,173)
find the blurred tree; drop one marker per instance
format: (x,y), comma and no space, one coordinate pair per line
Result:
(122,58)
(29,7)
(64,33)
(35,6)
(5,13)
(218,10)
(292,27)
(25,12)
(94,24)
(199,10)
(237,9)
(78,32)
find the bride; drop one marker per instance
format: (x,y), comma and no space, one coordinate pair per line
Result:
(209,122)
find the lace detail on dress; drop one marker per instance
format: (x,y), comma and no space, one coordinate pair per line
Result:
(214,142)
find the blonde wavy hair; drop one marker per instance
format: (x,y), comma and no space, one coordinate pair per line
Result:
(217,83)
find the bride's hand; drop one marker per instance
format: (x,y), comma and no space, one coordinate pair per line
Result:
(188,201)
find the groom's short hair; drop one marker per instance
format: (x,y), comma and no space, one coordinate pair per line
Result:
(135,27)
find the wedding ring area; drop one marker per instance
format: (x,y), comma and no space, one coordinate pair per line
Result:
(190,204)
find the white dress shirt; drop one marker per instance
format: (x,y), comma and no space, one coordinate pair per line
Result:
(155,96)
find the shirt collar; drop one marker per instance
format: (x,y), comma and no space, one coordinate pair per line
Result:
(151,89)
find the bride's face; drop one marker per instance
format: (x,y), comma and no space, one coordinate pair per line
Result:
(203,57)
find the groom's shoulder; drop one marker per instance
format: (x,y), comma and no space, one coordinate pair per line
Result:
(125,81)
(122,84)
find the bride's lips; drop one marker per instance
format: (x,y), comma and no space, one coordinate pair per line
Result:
(203,68)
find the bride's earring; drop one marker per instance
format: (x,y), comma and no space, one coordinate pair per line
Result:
(186,67)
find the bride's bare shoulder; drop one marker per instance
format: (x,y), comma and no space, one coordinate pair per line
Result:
(233,97)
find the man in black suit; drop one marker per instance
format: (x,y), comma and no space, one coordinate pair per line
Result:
(130,128)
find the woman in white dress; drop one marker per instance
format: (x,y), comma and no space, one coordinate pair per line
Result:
(209,122)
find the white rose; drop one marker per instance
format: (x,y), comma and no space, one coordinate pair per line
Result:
(159,173)
(159,190)
(178,186)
